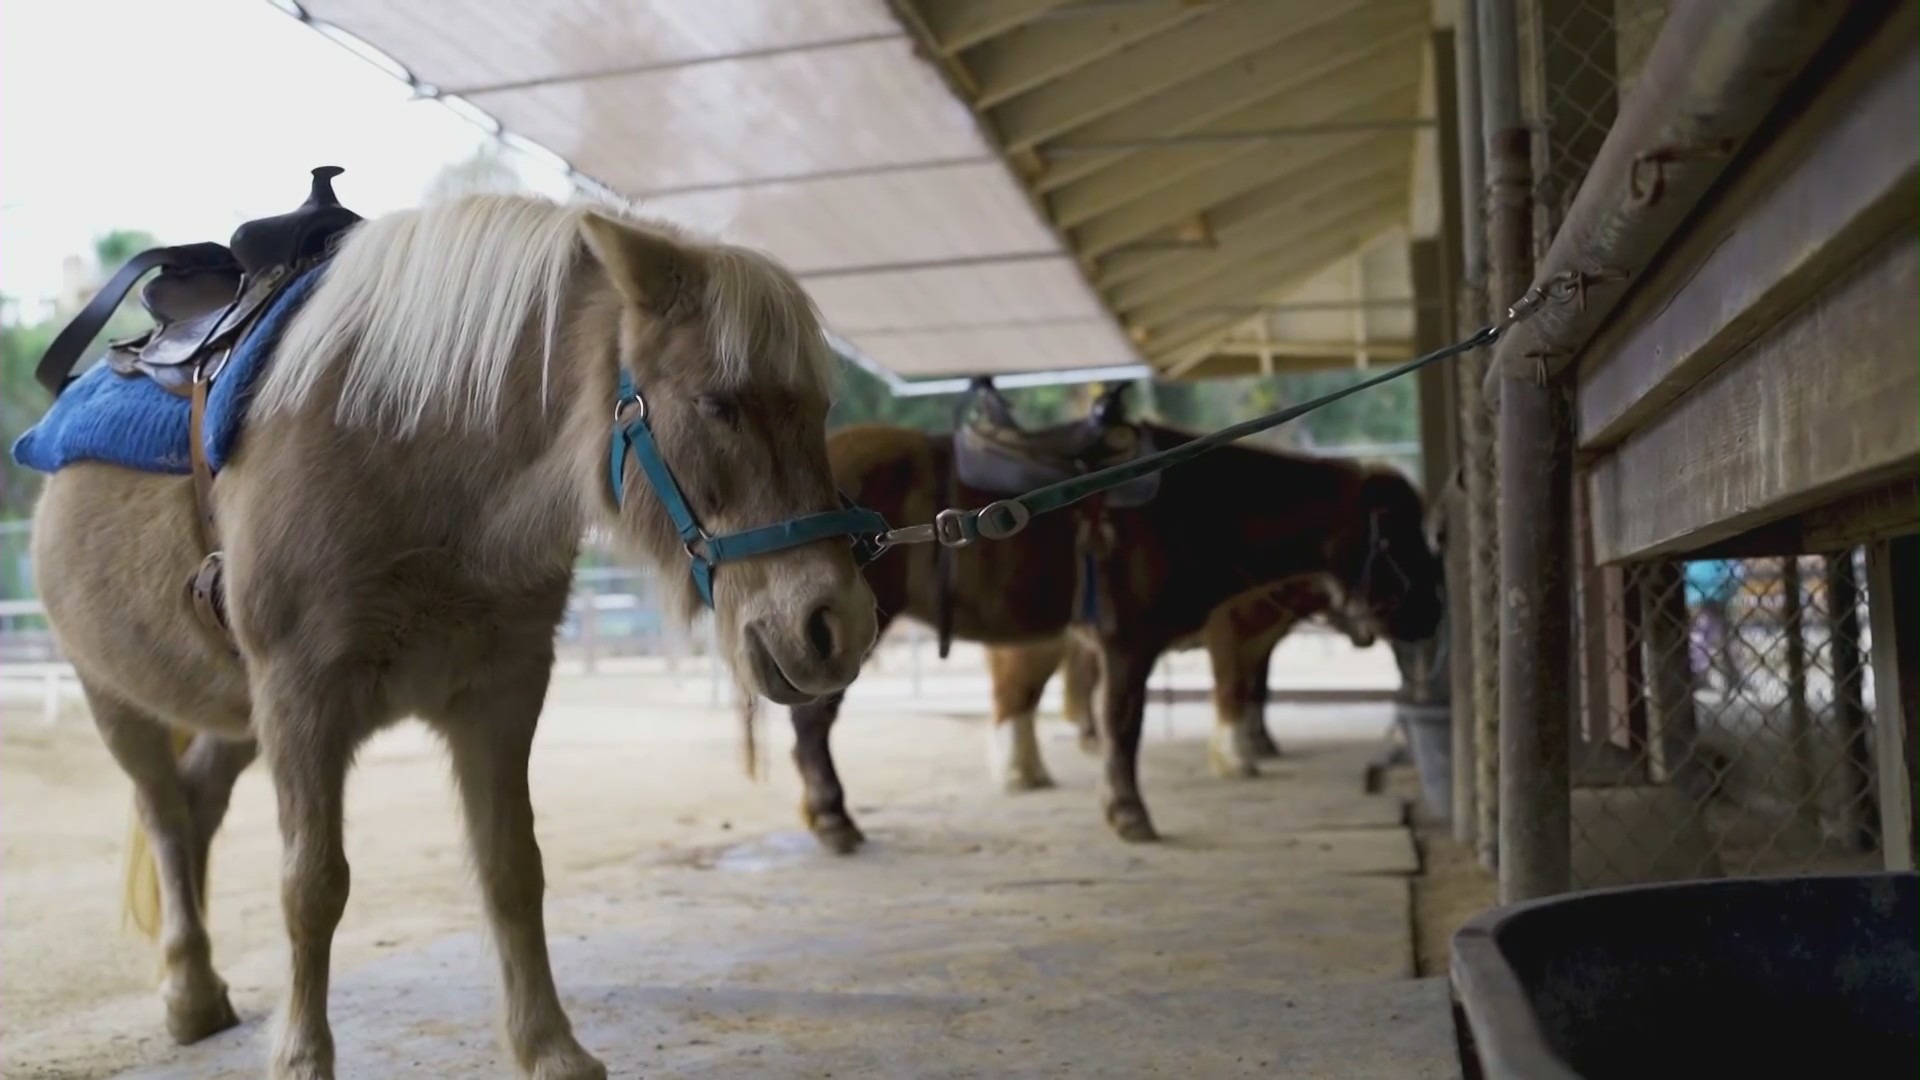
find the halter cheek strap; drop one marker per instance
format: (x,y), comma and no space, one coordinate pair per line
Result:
(633,435)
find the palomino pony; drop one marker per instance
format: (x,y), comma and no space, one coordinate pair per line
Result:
(1240,636)
(401,524)
(1231,521)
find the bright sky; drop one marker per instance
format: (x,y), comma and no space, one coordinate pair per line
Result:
(187,117)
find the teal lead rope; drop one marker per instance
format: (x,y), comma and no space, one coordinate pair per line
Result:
(869,533)
(1006,517)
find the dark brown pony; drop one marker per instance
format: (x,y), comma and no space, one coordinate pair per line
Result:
(1239,637)
(1234,520)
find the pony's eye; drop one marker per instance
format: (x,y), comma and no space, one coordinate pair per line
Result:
(714,408)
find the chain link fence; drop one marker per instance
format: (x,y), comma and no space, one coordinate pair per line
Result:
(1726,721)
(1725,706)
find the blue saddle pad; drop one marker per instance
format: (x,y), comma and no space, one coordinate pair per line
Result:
(130,421)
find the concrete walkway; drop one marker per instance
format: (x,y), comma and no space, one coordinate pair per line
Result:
(978,935)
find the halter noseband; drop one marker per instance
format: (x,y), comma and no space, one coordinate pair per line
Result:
(633,435)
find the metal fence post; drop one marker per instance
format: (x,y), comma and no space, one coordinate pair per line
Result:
(1483,538)
(1535,514)
(1462,543)
(1801,783)
(1854,776)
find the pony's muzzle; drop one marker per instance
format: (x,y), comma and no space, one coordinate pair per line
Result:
(816,653)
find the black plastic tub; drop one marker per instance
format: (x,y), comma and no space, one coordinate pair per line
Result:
(1754,979)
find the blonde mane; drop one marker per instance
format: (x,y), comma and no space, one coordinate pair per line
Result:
(432,305)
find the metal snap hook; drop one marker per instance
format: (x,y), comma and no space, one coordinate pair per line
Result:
(988,522)
(949,527)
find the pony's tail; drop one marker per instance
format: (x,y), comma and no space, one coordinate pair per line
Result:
(140,899)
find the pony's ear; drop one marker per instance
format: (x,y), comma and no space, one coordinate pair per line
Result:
(652,271)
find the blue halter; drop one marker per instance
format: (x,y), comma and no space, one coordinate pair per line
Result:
(633,435)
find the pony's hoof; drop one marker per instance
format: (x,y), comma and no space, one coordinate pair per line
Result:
(1230,756)
(190,1021)
(570,1063)
(1131,823)
(1089,744)
(1232,768)
(1018,781)
(1264,748)
(302,1066)
(838,834)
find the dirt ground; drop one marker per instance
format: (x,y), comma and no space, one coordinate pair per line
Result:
(629,771)
(65,957)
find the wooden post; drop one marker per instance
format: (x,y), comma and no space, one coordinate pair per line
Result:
(1893,581)
(1854,776)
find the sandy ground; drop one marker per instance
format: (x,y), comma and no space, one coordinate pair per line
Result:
(630,770)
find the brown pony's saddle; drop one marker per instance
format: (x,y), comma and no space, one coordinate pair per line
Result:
(993,453)
(204,301)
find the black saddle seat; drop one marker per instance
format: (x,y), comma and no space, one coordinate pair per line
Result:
(295,236)
(993,453)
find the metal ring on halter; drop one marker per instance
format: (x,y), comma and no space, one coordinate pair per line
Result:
(621,405)
(987,525)
(949,527)
(694,555)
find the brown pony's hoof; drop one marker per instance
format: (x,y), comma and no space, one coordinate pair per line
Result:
(1090,743)
(1263,746)
(189,1022)
(838,834)
(1131,823)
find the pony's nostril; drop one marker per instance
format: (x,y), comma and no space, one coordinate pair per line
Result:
(820,632)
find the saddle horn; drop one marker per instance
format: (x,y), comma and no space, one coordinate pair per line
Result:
(299,234)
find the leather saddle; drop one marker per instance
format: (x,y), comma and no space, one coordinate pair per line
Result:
(204,301)
(205,297)
(993,453)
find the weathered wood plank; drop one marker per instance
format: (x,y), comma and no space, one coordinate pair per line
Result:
(1844,175)
(1820,406)
(960,24)
(1877,513)
(1219,36)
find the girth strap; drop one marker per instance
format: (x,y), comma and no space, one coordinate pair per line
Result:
(61,357)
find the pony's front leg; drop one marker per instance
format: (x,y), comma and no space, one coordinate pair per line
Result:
(1230,750)
(195,997)
(1254,692)
(824,806)
(1124,690)
(1080,680)
(1020,674)
(208,771)
(490,731)
(308,745)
